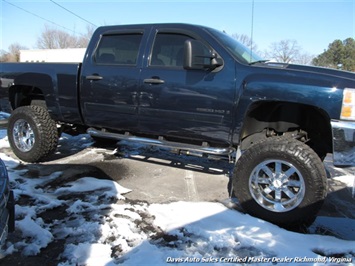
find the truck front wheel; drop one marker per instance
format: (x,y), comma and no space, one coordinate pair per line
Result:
(32,133)
(281,180)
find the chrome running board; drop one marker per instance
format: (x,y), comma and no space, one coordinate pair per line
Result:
(161,142)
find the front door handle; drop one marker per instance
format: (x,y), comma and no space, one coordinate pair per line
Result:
(94,77)
(154,81)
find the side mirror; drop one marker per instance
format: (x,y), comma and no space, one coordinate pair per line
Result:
(197,56)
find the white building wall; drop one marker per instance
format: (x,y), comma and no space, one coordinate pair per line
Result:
(70,55)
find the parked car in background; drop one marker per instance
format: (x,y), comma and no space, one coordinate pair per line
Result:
(7,206)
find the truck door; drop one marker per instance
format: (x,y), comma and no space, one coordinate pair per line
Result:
(174,102)
(110,81)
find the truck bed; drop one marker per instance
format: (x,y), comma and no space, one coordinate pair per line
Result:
(58,83)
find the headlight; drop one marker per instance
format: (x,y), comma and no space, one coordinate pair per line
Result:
(348,107)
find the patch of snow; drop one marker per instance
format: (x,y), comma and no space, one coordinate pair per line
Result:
(100,228)
(37,232)
(86,184)
(349,180)
(88,254)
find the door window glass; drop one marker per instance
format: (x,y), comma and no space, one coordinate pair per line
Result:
(168,50)
(119,49)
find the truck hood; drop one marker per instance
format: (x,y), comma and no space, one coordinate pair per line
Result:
(315,70)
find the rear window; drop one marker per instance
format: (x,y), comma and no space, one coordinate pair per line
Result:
(121,49)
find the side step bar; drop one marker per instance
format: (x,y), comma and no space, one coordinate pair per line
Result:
(161,142)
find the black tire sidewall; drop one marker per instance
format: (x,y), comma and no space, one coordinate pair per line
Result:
(301,157)
(40,123)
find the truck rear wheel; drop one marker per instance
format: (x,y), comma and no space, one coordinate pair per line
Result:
(280,180)
(32,133)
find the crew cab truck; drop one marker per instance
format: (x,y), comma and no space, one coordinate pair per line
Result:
(197,90)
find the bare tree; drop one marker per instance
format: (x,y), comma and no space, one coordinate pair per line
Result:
(52,38)
(285,51)
(13,53)
(3,56)
(65,40)
(304,58)
(84,39)
(246,40)
(46,39)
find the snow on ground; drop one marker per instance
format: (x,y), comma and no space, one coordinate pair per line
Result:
(99,227)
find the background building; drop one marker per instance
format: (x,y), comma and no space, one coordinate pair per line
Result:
(70,55)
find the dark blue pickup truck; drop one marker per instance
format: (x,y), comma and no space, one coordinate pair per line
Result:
(196,90)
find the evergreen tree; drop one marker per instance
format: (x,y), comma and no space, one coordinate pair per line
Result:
(340,54)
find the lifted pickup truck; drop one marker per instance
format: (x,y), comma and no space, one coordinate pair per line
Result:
(196,90)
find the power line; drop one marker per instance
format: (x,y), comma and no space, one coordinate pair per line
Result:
(72,13)
(38,16)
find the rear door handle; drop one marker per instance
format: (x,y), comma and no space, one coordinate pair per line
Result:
(94,77)
(154,81)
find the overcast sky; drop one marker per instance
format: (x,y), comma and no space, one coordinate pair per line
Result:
(314,24)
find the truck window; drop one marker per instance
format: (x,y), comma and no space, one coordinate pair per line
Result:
(119,49)
(168,50)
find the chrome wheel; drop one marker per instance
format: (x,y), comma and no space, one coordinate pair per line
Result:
(277,185)
(33,135)
(23,135)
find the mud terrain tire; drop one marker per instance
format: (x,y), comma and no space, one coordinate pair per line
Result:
(280,180)
(32,134)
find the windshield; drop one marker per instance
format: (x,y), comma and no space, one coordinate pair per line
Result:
(242,53)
